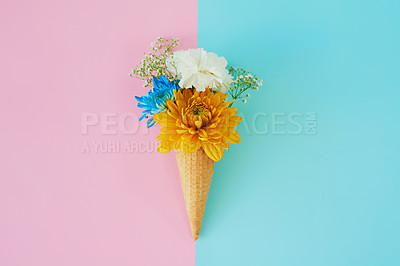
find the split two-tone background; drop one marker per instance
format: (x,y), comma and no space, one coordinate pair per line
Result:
(315,180)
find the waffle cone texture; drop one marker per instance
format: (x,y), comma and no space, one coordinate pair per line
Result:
(196,170)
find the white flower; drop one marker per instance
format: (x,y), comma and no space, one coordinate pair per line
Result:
(200,69)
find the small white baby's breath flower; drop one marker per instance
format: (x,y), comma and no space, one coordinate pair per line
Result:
(244,101)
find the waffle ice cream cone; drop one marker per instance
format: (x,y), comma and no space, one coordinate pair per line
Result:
(196,170)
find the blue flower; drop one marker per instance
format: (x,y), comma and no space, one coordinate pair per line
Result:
(155,101)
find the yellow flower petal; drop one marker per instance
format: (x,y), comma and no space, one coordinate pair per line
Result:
(212,151)
(232,136)
(198,119)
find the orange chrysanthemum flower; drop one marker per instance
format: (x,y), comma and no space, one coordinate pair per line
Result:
(198,119)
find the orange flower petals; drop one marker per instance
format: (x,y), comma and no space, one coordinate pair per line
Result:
(198,119)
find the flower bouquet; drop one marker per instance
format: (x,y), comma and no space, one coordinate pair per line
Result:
(191,97)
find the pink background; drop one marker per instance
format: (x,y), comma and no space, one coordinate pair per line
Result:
(59,206)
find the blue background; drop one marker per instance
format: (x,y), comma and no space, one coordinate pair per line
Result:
(330,198)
